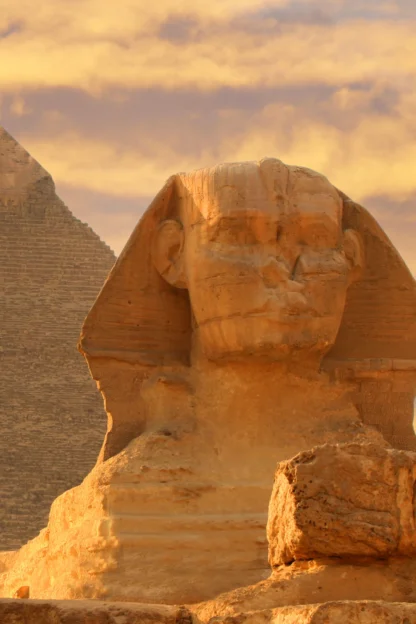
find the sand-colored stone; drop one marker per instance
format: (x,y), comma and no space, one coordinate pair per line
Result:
(88,612)
(52,267)
(363,612)
(341,526)
(318,581)
(23,592)
(343,501)
(228,336)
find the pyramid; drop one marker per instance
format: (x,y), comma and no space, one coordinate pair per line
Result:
(52,419)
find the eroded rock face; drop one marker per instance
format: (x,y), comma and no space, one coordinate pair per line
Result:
(318,581)
(343,501)
(341,527)
(365,612)
(228,336)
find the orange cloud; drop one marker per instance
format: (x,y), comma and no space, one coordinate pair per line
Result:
(19,107)
(363,139)
(375,154)
(97,46)
(377,157)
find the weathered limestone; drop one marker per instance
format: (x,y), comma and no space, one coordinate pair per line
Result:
(51,268)
(257,261)
(238,327)
(363,612)
(343,501)
(341,526)
(318,581)
(84,612)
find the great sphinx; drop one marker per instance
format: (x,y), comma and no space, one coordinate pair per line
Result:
(255,312)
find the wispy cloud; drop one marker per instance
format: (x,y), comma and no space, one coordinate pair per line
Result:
(363,139)
(99,46)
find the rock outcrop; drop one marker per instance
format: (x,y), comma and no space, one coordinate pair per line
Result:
(363,612)
(341,527)
(84,612)
(343,501)
(52,267)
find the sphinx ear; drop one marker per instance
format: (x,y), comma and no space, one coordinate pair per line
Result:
(354,251)
(167,252)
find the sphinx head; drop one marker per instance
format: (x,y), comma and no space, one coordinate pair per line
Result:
(240,261)
(262,253)
(249,259)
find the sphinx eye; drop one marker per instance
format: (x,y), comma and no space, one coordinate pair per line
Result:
(279,231)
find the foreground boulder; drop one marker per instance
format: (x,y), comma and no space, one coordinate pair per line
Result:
(341,527)
(344,501)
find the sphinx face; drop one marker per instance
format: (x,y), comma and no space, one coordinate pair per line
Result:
(265,265)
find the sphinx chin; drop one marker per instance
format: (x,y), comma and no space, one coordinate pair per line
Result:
(267,337)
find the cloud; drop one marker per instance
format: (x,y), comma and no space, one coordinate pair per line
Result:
(19,107)
(364,140)
(398,219)
(374,155)
(103,46)
(112,98)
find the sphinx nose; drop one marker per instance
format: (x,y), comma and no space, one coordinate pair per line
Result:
(274,272)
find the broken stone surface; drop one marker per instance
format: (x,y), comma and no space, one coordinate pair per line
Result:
(343,501)
(52,267)
(142,517)
(216,342)
(363,612)
(88,612)
(318,581)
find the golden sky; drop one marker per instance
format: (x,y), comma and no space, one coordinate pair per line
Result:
(113,97)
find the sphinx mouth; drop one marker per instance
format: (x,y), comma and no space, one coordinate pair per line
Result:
(273,309)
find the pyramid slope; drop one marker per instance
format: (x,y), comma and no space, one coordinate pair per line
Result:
(18,170)
(52,267)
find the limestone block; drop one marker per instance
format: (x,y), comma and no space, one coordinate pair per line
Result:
(88,612)
(316,582)
(364,612)
(353,500)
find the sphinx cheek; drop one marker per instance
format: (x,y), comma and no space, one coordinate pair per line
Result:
(325,281)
